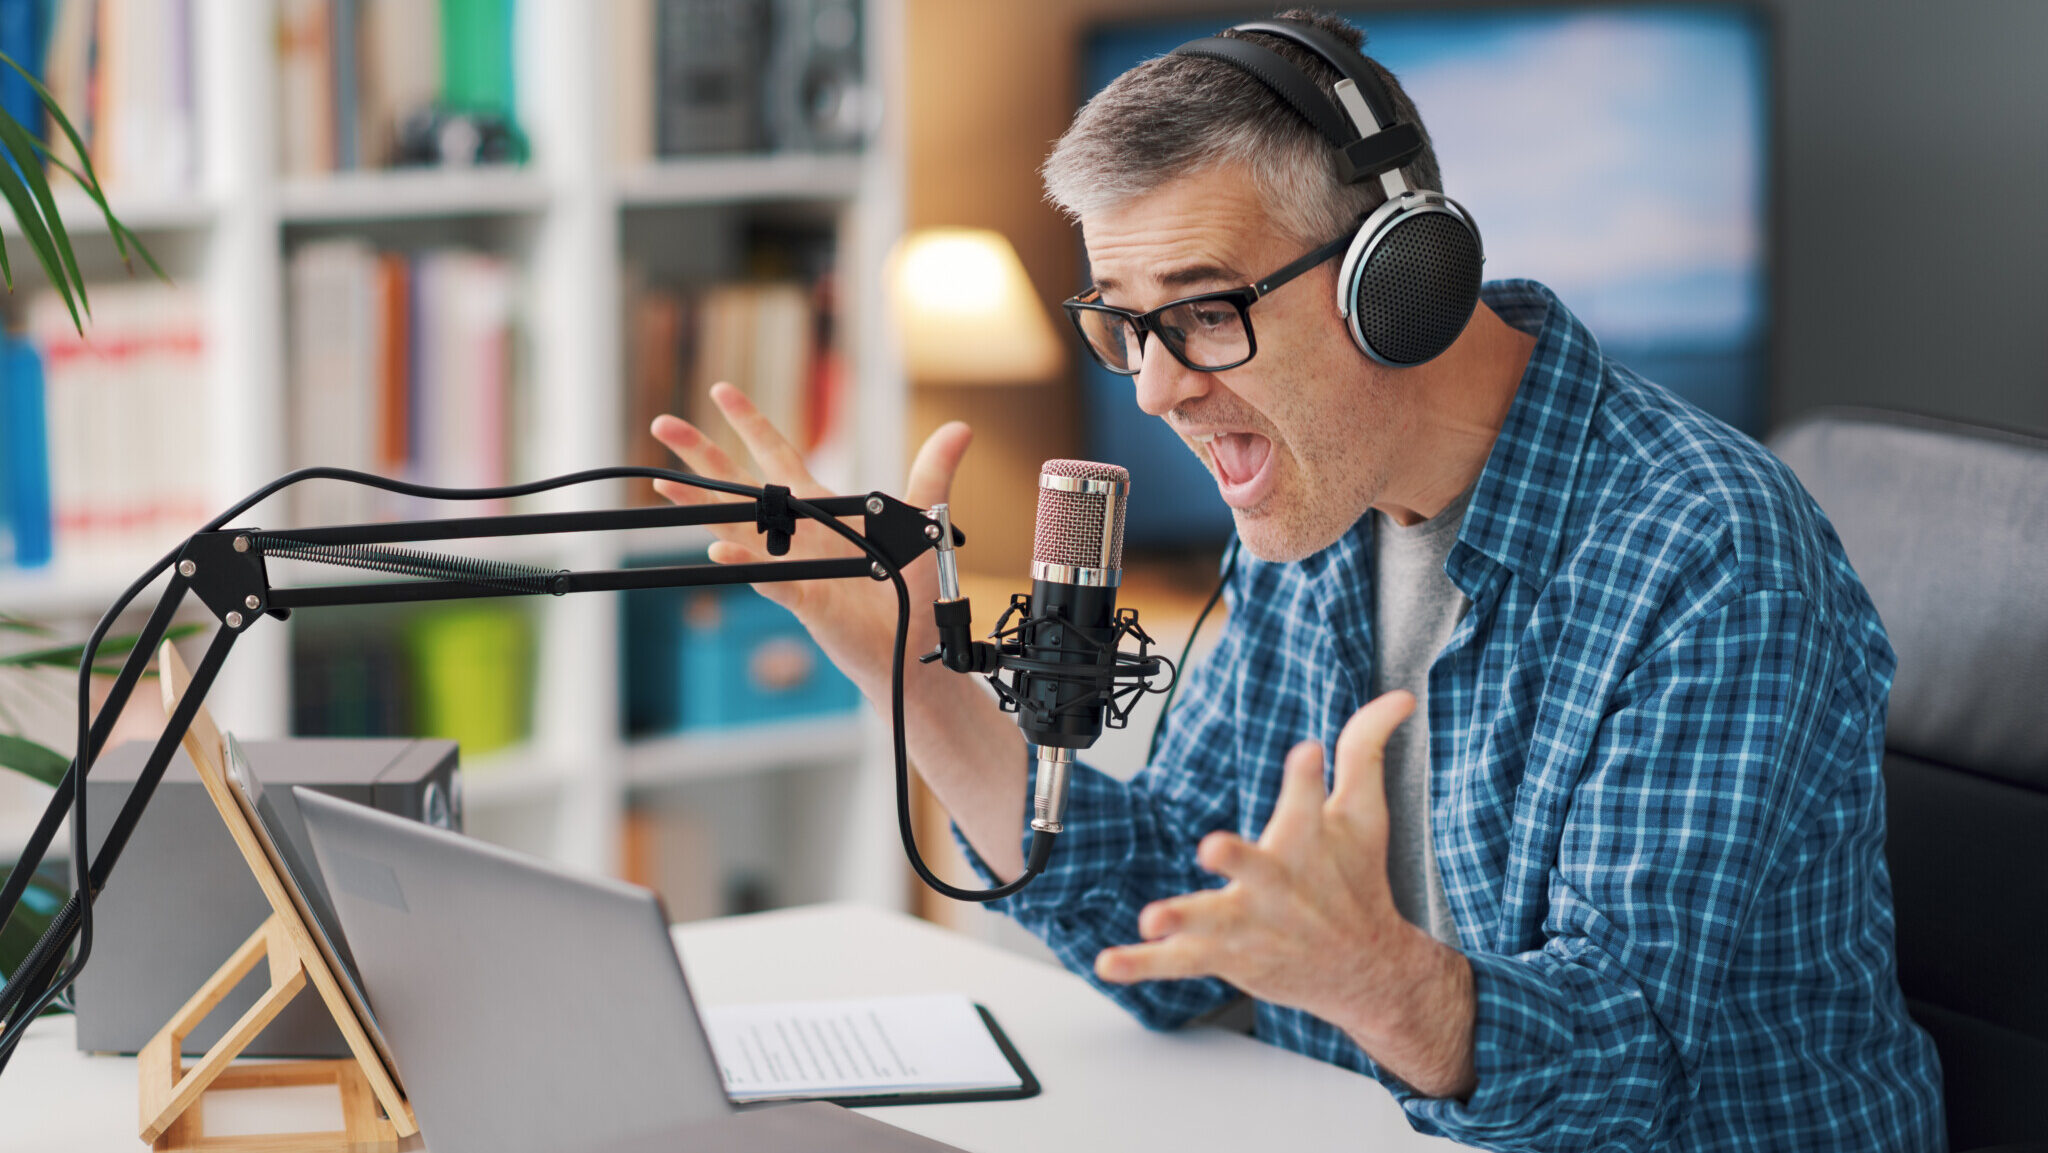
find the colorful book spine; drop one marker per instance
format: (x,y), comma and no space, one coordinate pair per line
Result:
(126,413)
(22,38)
(305,87)
(145,127)
(403,366)
(24,458)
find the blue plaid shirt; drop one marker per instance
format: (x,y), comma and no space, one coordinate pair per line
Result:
(1655,798)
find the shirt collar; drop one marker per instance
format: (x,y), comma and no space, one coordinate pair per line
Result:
(1524,493)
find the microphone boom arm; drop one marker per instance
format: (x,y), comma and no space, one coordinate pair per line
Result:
(225,569)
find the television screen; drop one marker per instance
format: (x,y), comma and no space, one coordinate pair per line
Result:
(1618,155)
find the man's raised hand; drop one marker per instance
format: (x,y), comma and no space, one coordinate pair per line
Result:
(853,620)
(1307,918)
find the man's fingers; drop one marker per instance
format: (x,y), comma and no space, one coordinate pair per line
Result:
(931,474)
(699,454)
(1299,807)
(1202,911)
(1362,746)
(1174,957)
(779,460)
(1231,856)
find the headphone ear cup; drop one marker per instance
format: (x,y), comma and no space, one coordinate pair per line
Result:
(1411,282)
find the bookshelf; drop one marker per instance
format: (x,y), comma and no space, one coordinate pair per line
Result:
(568,219)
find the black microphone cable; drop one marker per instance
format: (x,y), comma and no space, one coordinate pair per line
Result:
(17,988)
(1166,706)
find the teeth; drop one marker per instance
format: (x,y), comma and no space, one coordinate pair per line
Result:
(1205,438)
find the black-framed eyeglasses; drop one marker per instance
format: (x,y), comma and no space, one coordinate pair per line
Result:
(1207,333)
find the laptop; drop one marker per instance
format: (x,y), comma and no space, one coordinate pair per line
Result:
(532,1009)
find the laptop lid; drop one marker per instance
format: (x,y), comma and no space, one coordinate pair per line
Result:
(526,1008)
(285,850)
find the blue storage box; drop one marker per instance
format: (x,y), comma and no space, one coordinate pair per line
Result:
(745,660)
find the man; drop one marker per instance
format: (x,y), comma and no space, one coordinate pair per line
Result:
(1619,883)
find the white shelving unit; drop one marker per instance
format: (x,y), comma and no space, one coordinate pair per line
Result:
(564,214)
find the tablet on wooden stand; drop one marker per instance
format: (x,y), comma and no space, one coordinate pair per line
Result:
(375,1114)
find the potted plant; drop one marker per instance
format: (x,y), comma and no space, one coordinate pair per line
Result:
(26,189)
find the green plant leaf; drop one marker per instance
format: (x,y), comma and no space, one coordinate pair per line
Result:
(68,656)
(32,760)
(30,218)
(123,235)
(88,180)
(22,147)
(16,624)
(6,269)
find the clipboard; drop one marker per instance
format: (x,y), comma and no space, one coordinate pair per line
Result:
(1027,1085)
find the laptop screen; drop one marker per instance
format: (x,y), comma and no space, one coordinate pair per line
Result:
(292,861)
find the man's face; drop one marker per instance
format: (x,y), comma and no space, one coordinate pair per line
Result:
(1299,438)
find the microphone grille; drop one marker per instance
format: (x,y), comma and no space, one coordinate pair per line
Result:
(1074,523)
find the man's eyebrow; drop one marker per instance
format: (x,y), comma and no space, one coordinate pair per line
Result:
(1201,274)
(1182,278)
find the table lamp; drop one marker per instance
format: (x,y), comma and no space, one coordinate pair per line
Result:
(966,313)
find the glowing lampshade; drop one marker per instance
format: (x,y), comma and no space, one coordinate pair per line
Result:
(966,311)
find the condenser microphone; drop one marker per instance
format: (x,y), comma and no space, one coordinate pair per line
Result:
(1068,673)
(1070,638)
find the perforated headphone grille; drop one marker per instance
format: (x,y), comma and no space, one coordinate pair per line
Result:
(1418,288)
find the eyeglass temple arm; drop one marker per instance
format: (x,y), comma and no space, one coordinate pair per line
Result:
(1300,266)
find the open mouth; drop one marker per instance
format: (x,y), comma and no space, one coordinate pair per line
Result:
(1243,464)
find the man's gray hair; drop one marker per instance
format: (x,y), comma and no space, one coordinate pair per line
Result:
(1176,116)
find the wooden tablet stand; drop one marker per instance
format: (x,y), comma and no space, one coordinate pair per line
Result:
(375,1113)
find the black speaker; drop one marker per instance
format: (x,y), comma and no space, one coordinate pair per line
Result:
(815,96)
(182,898)
(707,75)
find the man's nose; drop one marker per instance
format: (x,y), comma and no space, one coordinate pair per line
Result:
(1163,382)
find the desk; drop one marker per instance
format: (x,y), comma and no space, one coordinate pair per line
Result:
(1109,1083)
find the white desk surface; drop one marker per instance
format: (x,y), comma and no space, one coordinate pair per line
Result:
(1109,1083)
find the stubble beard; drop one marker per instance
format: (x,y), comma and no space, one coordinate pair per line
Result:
(1330,482)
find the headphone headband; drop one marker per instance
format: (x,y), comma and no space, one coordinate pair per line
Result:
(1279,74)
(1337,54)
(1359,155)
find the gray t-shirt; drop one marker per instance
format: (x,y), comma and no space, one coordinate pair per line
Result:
(1415,610)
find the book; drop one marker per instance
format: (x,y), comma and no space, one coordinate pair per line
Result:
(361,81)
(351,676)
(757,337)
(463,367)
(862,1051)
(305,87)
(403,365)
(24,458)
(399,54)
(658,326)
(67,73)
(126,415)
(343,38)
(22,39)
(632,70)
(122,72)
(337,356)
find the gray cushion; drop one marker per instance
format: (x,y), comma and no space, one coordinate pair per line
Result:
(1948,527)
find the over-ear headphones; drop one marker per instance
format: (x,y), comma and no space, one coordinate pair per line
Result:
(1410,279)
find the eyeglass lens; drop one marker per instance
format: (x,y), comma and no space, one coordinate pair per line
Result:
(1202,333)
